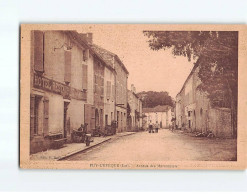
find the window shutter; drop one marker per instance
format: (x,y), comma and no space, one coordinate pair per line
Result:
(46,116)
(38,51)
(84,77)
(67,60)
(113,91)
(32,115)
(108,90)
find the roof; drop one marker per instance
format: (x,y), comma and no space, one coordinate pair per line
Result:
(135,95)
(191,73)
(80,39)
(158,108)
(108,56)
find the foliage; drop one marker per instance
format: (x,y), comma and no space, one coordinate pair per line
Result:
(153,98)
(216,54)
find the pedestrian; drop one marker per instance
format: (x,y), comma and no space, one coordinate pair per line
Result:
(156,127)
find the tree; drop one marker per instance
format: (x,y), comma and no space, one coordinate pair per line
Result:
(153,98)
(216,54)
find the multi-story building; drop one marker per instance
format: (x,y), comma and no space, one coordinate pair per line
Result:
(194,112)
(59,86)
(73,83)
(134,116)
(109,85)
(117,78)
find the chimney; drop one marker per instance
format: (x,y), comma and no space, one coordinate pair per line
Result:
(132,87)
(88,37)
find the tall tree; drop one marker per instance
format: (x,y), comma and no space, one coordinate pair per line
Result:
(153,98)
(216,54)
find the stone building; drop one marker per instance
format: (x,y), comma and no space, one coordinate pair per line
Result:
(109,85)
(194,112)
(134,115)
(59,86)
(117,78)
(160,114)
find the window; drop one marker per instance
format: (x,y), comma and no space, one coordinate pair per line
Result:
(38,51)
(67,66)
(108,90)
(84,77)
(106,119)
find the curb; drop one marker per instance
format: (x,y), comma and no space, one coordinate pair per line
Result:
(83,150)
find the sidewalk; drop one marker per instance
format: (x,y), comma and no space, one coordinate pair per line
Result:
(73,148)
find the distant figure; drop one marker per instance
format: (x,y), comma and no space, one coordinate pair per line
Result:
(150,128)
(156,127)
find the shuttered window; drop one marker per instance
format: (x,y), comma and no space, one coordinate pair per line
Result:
(113,91)
(46,116)
(84,77)
(38,51)
(108,90)
(67,66)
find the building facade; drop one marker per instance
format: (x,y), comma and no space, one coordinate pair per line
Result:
(73,83)
(134,115)
(160,114)
(59,92)
(119,86)
(194,112)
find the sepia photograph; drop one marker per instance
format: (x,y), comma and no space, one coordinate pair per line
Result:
(129,96)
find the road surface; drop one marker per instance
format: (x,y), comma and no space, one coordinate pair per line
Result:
(162,146)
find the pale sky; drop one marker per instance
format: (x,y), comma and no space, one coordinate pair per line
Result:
(148,69)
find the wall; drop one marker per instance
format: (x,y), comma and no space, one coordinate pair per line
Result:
(109,97)
(161,117)
(220,122)
(194,111)
(121,95)
(66,72)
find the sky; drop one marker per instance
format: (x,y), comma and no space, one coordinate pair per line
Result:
(148,69)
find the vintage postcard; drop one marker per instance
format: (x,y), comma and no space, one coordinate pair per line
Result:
(133,96)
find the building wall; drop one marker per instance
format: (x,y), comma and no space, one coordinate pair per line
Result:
(99,93)
(160,117)
(109,96)
(140,113)
(121,117)
(121,96)
(59,82)
(133,103)
(178,111)
(220,122)
(194,112)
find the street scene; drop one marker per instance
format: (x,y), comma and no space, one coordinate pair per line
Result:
(164,146)
(132,94)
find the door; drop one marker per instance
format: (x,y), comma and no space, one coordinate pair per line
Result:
(96,118)
(106,120)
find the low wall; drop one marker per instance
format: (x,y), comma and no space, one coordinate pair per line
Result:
(220,122)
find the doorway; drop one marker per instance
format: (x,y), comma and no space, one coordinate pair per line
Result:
(106,120)
(96,118)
